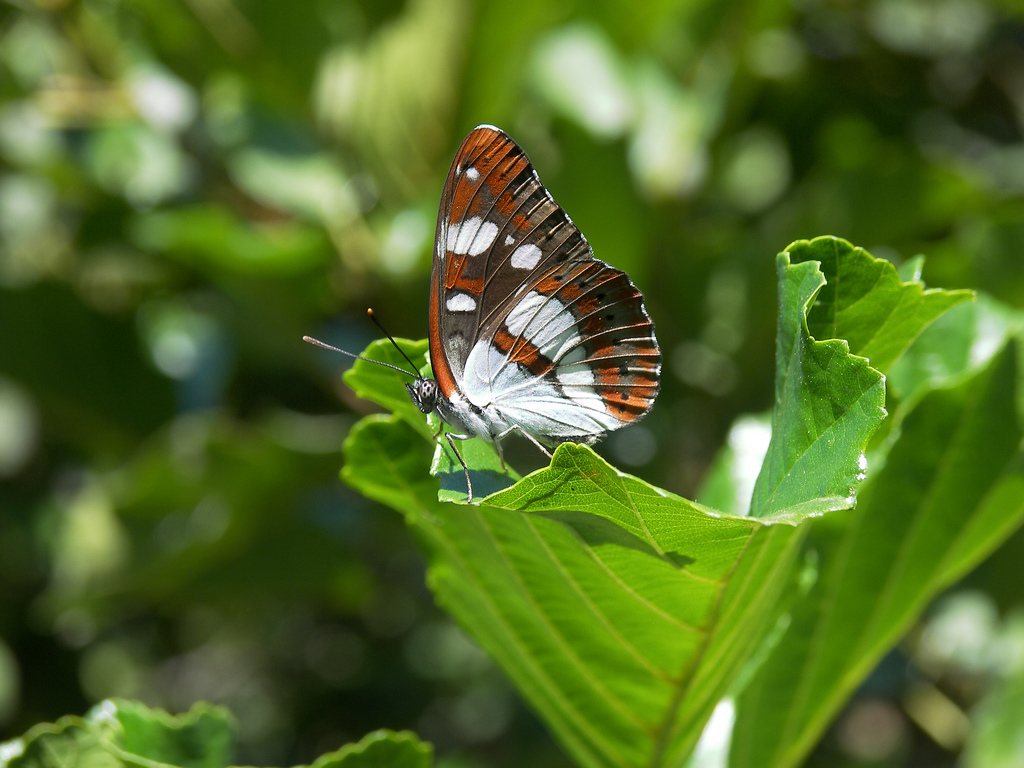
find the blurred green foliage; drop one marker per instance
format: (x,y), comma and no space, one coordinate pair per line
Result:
(188,188)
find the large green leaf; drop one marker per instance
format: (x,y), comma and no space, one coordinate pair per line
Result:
(620,611)
(951,490)
(126,734)
(624,613)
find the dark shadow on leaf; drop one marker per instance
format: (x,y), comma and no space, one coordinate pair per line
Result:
(598,531)
(485,482)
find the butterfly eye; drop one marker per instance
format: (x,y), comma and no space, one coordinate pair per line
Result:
(423,393)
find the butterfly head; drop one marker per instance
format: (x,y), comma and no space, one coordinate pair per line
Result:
(424,393)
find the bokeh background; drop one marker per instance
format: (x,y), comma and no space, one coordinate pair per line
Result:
(186,188)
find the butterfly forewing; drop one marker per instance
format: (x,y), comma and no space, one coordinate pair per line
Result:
(556,338)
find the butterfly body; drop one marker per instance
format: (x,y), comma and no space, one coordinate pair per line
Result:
(528,331)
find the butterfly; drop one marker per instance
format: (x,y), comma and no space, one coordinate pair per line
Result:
(529,333)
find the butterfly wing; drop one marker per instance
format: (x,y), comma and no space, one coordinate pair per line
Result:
(522,314)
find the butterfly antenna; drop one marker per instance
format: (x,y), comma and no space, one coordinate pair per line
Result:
(390,338)
(319,343)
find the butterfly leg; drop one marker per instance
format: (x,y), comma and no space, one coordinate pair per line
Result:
(451,437)
(524,433)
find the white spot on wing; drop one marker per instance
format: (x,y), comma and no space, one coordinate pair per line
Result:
(472,237)
(484,238)
(509,239)
(545,322)
(461,302)
(526,256)
(576,375)
(522,312)
(472,173)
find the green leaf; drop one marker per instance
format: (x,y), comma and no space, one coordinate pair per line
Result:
(124,733)
(865,302)
(827,404)
(951,490)
(621,612)
(127,734)
(69,741)
(201,738)
(963,339)
(381,749)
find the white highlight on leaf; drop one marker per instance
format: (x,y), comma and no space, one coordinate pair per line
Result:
(712,750)
(526,256)
(10,750)
(461,302)
(472,173)
(472,237)
(862,465)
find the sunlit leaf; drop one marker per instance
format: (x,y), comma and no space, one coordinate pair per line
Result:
(124,733)
(620,611)
(865,302)
(827,404)
(933,511)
